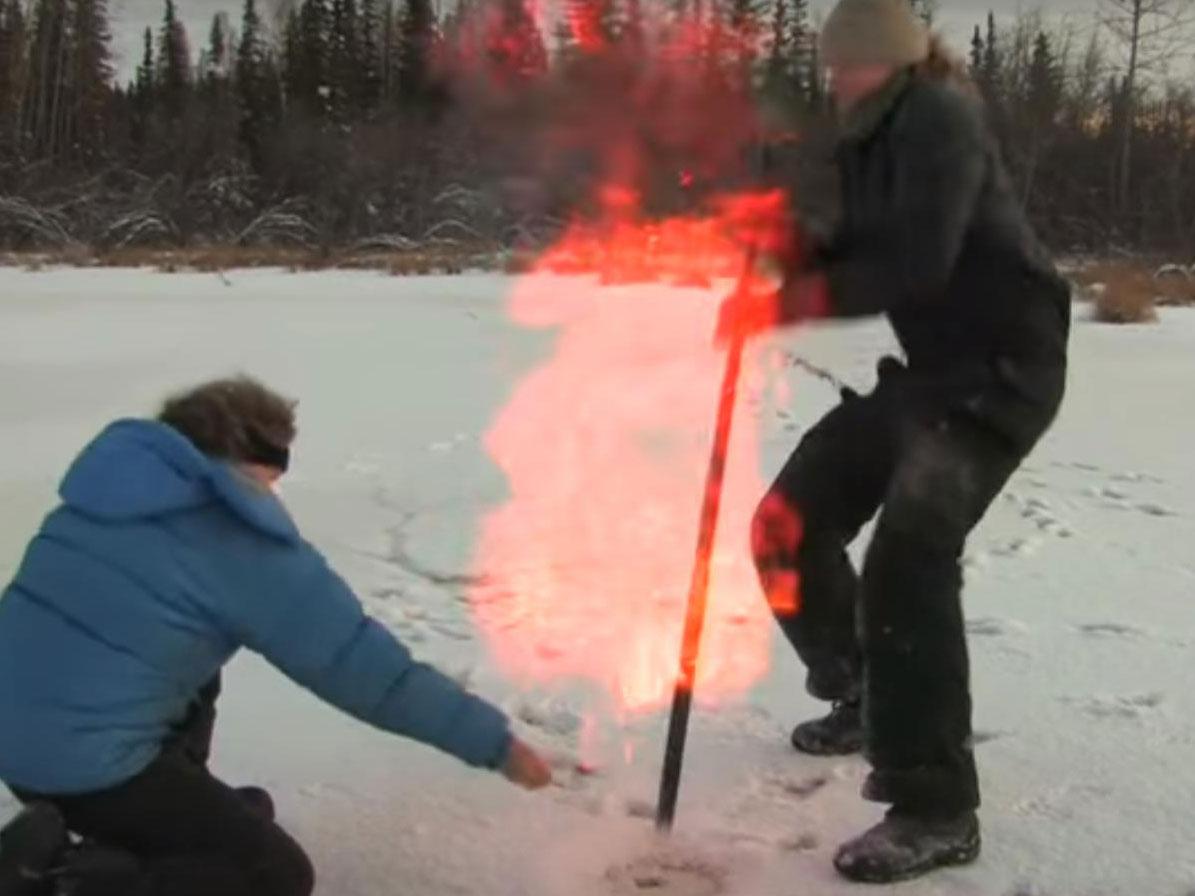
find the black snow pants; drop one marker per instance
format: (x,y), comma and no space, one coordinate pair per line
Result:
(893,636)
(192,834)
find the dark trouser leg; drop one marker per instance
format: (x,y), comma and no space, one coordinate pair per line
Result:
(829,488)
(917,703)
(193,835)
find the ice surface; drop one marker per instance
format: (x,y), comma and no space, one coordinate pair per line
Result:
(1081,597)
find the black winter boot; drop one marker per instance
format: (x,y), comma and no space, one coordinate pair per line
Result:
(838,734)
(30,846)
(905,846)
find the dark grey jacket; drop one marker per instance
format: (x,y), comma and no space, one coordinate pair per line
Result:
(932,235)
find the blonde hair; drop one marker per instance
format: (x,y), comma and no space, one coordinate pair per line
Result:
(943,64)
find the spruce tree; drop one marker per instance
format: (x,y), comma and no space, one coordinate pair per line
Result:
(343,61)
(309,80)
(12,68)
(371,33)
(990,74)
(1044,88)
(416,41)
(146,77)
(46,97)
(801,50)
(217,58)
(91,75)
(516,50)
(257,81)
(174,62)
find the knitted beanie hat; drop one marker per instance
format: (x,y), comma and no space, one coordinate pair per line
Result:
(874,32)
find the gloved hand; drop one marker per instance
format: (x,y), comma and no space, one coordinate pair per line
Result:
(748,313)
(525,767)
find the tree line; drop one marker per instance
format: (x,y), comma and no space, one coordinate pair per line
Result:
(350,122)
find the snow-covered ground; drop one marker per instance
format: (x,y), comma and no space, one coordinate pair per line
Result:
(1081,598)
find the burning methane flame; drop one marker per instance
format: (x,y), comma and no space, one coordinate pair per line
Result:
(605,448)
(605,445)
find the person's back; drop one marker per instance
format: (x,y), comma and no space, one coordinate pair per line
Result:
(124,605)
(168,553)
(937,119)
(933,235)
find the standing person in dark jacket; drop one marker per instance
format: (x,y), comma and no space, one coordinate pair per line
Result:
(931,236)
(168,554)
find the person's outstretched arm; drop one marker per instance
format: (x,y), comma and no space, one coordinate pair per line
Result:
(307,622)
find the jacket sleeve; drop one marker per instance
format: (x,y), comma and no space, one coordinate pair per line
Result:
(310,625)
(940,160)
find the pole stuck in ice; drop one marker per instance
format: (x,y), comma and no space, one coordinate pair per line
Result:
(682,695)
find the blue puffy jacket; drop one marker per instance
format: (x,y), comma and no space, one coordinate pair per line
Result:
(159,565)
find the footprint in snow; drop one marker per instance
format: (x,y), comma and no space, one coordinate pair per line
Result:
(1118,495)
(668,875)
(1111,630)
(1016,548)
(447,445)
(1027,890)
(976,561)
(452,630)
(800,843)
(640,808)
(1127,708)
(1132,476)
(1040,513)
(797,788)
(1112,493)
(991,627)
(362,466)
(550,717)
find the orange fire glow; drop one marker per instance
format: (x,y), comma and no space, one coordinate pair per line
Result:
(605,448)
(605,445)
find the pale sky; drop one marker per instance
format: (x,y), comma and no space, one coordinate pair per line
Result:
(129,18)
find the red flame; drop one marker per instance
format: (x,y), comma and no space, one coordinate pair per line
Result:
(496,51)
(623,247)
(605,446)
(584,23)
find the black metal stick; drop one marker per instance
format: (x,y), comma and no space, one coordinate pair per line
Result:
(682,695)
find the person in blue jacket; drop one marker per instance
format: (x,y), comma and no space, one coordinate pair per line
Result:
(169,553)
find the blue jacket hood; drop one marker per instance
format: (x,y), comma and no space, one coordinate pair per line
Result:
(140,469)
